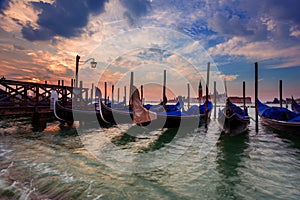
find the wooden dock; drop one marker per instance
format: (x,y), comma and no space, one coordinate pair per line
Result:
(19,98)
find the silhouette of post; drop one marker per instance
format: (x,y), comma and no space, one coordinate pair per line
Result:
(244,94)
(112,95)
(206,100)
(188,95)
(125,95)
(118,95)
(256,97)
(142,93)
(92,93)
(105,92)
(76,74)
(164,85)
(280,93)
(215,99)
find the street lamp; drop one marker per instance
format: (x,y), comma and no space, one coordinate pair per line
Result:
(93,64)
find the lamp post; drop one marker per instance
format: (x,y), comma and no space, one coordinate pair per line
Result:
(93,65)
(78,91)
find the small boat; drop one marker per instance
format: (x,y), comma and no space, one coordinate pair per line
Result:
(106,115)
(280,119)
(67,114)
(233,120)
(164,119)
(295,106)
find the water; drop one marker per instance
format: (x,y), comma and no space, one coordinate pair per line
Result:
(59,164)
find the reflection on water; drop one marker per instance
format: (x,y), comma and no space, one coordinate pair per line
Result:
(231,151)
(57,163)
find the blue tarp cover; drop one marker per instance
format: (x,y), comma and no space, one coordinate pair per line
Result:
(281,114)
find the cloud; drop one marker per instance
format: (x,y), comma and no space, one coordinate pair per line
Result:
(64,18)
(135,9)
(4,4)
(252,19)
(232,25)
(229,77)
(259,51)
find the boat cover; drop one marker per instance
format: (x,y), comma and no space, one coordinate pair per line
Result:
(276,113)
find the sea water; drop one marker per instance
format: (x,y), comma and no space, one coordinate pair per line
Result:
(70,163)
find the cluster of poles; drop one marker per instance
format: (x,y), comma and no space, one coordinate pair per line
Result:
(106,98)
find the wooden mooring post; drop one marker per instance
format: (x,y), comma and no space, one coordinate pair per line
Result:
(125,95)
(215,99)
(188,95)
(118,99)
(206,99)
(244,94)
(105,93)
(256,97)
(280,93)
(142,93)
(112,95)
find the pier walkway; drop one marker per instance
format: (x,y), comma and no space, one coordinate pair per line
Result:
(19,98)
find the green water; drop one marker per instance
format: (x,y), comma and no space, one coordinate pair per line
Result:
(59,164)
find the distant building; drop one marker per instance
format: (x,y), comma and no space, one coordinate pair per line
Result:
(240,100)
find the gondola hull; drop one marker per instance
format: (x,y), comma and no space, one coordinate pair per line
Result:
(233,124)
(69,115)
(111,116)
(114,116)
(280,119)
(282,126)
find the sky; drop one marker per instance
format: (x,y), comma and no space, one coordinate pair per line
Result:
(39,41)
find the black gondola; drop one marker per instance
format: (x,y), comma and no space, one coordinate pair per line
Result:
(295,106)
(105,115)
(280,119)
(233,120)
(157,119)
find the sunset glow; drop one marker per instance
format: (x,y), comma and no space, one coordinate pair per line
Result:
(39,42)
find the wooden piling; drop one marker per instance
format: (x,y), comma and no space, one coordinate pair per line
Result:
(256,97)
(215,99)
(118,95)
(244,94)
(72,85)
(65,94)
(62,83)
(80,93)
(86,95)
(112,95)
(188,95)
(164,86)
(130,90)
(131,84)
(37,93)
(92,93)
(76,73)
(225,86)
(206,99)
(142,93)
(200,92)
(58,83)
(105,92)
(125,96)
(39,121)
(280,93)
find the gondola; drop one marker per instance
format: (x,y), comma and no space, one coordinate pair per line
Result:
(233,120)
(164,119)
(66,114)
(106,115)
(295,106)
(280,119)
